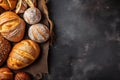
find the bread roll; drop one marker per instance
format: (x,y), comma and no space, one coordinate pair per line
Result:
(38,33)
(4,49)
(12,27)
(23,54)
(8,4)
(21,6)
(32,15)
(22,76)
(6,74)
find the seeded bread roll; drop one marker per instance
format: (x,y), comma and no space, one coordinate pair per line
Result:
(23,54)
(4,49)
(8,4)
(32,15)
(38,33)
(12,27)
(6,74)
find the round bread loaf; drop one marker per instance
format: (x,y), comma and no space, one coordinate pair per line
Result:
(8,4)
(12,27)
(6,74)
(38,33)
(4,49)
(32,15)
(23,54)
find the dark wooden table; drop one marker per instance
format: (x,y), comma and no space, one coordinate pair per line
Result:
(87,45)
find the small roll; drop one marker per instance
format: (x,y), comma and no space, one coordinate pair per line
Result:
(38,33)
(6,74)
(32,15)
(22,76)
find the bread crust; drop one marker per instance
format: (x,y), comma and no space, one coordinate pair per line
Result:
(4,50)
(23,54)
(12,27)
(32,15)
(8,4)
(6,74)
(39,33)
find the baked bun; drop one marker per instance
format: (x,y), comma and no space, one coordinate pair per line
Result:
(23,54)
(21,6)
(12,27)
(4,49)
(22,76)
(32,15)
(8,4)
(38,33)
(6,74)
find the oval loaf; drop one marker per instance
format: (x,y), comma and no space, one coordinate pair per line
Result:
(23,54)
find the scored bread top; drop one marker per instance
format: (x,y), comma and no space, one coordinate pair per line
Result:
(23,54)
(8,21)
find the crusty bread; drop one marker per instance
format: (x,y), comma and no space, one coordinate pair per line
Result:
(21,6)
(38,33)
(23,54)
(12,27)
(6,74)
(8,4)
(4,49)
(32,15)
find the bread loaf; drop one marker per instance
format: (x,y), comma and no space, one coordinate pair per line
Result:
(38,33)
(12,27)
(6,74)
(32,15)
(4,49)
(23,54)
(22,76)
(21,6)
(8,4)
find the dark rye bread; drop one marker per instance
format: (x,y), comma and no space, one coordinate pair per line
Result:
(4,49)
